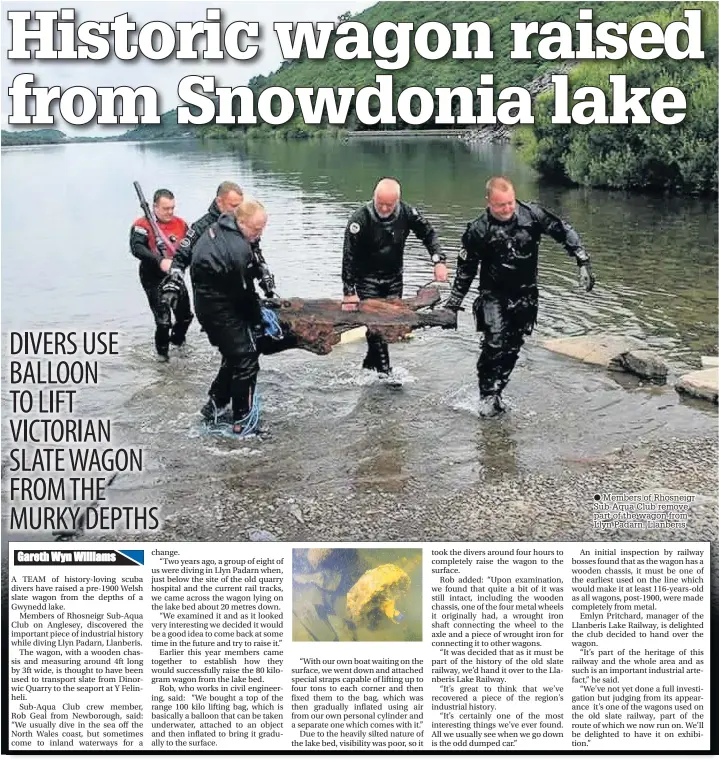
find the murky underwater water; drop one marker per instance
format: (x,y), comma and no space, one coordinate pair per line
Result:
(357,595)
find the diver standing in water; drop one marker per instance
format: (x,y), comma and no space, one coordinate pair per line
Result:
(229,309)
(154,240)
(228,197)
(373,257)
(504,241)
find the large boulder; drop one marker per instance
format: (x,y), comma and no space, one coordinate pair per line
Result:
(593,349)
(703,383)
(642,363)
(614,352)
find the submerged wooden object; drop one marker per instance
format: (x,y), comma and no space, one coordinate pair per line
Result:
(318,324)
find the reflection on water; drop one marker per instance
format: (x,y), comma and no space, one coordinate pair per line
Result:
(356,595)
(359,459)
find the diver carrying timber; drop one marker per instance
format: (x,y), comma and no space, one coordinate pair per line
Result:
(503,244)
(373,258)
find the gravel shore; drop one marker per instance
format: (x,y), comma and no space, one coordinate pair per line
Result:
(495,506)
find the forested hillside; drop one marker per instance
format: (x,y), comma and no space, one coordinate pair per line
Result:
(447,72)
(32,137)
(680,158)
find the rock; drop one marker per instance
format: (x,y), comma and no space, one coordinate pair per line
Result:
(710,361)
(703,383)
(594,349)
(260,535)
(491,133)
(316,557)
(355,334)
(295,511)
(501,133)
(325,579)
(643,363)
(340,627)
(309,608)
(299,632)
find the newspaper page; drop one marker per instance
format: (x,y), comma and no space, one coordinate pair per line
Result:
(359,377)
(190,646)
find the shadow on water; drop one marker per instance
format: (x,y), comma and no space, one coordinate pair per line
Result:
(342,451)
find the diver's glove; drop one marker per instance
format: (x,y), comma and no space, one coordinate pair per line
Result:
(267,281)
(586,277)
(272,302)
(453,303)
(174,282)
(171,287)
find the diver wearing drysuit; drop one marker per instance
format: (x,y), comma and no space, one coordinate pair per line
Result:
(156,257)
(228,197)
(504,240)
(228,308)
(373,257)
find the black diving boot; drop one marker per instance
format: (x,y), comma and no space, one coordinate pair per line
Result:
(491,405)
(214,412)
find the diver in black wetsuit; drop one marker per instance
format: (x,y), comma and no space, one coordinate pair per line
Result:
(373,257)
(503,243)
(224,268)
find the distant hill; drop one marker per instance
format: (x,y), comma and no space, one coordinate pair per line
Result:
(47,137)
(32,137)
(167,129)
(448,72)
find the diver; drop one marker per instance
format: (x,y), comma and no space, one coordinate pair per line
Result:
(373,257)
(228,197)
(228,307)
(156,257)
(503,243)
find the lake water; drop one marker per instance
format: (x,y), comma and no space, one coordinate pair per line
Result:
(334,433)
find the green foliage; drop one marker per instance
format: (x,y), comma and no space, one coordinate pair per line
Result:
(33,137)
(447,72)
(679,158)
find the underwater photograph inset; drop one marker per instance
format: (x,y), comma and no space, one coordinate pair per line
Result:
(356,594)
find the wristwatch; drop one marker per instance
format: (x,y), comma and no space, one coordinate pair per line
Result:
(437,258)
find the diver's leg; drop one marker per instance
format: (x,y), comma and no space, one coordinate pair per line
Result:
(245,368)
(374,358)
(183,318)
(163,319)
(490,315)
(520,318)
(392,289)
(219,394)
(369,287)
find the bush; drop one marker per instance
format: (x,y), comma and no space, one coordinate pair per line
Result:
(681,158)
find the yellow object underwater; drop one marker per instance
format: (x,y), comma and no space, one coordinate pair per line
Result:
(376,592)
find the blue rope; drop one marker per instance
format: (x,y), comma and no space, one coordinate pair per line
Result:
(251,422)
(272,323)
